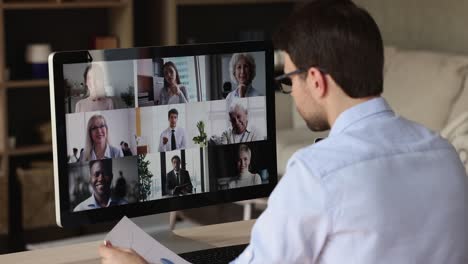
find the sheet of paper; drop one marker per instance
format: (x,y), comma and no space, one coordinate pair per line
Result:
(127,234)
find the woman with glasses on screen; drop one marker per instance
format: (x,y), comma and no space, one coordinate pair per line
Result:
(244,177)
(97,140)
(173,92)
(97,99)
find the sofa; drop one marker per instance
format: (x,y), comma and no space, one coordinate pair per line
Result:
(428,87)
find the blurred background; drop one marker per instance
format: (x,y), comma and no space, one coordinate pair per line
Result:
(31,29)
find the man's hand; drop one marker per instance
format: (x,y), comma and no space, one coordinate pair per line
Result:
(165,140)
(115,255)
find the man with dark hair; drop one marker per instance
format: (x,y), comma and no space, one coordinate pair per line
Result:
(100,178)
(379,188)
(173,137)
(126,150)
(74,157)
(178,180)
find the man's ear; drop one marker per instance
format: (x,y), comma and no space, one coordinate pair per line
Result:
(317,82)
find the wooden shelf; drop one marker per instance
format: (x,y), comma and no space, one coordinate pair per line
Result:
(26,84)
(30,150)
(226,2)
(63,5)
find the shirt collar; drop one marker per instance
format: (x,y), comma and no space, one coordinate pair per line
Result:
(107,154)
(359,112)
(95,204)
(236,92)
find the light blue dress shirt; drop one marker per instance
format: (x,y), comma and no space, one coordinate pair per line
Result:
(91,203)
(379,189)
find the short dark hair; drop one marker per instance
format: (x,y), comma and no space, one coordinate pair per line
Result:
(106,164)
(75,150)
(340,38)
(175,157)
(172,111)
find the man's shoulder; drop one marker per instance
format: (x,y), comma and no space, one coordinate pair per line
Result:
(254,92)
(84,205)
(164,131)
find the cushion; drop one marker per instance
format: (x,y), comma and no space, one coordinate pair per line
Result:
(461,102)
(422,85)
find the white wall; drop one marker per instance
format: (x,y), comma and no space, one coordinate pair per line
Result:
(145,67)
(422,24)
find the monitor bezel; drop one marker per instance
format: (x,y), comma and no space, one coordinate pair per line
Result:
(65,217)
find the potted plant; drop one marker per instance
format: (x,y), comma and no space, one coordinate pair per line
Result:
(201,139)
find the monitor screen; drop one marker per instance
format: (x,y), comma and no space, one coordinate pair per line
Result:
(149,130)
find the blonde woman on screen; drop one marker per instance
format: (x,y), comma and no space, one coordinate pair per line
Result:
(97,140)
(245,177)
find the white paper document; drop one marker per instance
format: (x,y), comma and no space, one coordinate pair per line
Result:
(127,234)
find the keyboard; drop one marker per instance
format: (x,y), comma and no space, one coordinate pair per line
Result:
(219,255)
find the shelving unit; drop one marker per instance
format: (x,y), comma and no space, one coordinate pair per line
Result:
(170,13)
(66,25)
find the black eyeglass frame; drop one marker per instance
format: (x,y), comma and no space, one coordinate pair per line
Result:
(285,79)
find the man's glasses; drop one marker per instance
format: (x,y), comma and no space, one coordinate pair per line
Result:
(284,81)
(94,128)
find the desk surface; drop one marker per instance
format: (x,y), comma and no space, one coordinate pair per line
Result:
(181,240)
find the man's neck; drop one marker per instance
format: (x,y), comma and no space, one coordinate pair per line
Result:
(342,104)
(100,150)
(102,201)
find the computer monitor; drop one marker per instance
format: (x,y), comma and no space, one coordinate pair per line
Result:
(148,130)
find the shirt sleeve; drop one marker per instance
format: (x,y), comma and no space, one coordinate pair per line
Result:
(294,227)
(184,92)
(161,145)
(182,139)
(78,107)
(110,103)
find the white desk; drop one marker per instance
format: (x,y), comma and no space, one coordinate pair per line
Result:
(180,240)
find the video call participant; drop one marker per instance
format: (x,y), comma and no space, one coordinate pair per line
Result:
(97,140)
(244,177)
(242,68)
(172,92)
(240,131)
(178,180)
(126,149)
(173,137)
(100,179)
(74,158)
(97,99)
(380,188)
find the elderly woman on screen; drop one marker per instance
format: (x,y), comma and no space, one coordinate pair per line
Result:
(240,130)
(97,140)
(242,69)
(244,177)
(97,99)
(173,92)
